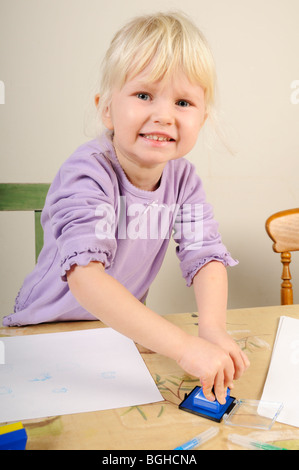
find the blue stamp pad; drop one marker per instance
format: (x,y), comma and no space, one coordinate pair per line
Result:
(196,403)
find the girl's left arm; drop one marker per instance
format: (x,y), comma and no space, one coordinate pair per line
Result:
(210,287)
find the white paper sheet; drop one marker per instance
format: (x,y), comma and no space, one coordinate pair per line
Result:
(73,372)
(282,383)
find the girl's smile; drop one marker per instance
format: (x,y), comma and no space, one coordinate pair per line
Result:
(158,137)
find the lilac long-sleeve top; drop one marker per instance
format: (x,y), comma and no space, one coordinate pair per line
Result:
(93,213)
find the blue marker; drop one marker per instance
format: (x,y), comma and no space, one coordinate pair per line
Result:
(200,439)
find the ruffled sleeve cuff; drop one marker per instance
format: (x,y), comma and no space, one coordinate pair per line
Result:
(83,257)
(225,259)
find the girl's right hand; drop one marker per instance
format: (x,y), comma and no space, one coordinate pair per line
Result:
(211,364)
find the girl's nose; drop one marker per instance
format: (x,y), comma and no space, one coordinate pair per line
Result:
(163,114)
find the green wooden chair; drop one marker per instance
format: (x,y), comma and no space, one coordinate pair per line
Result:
(26,197)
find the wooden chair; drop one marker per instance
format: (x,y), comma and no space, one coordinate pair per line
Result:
(283,228)
(26,197)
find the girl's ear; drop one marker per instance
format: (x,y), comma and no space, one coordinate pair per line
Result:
(106,114)
(97,99)
(107,118)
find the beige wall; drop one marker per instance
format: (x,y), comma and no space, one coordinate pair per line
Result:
(50,51)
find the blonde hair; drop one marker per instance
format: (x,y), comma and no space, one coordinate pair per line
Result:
(167,41)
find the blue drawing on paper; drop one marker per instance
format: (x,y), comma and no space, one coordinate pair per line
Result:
(41,378)
(60,390)
(109,374)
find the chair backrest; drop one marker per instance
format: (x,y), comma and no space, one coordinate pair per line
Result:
(283,228)
(26,197)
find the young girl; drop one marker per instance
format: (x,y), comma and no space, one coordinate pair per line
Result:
(113,204)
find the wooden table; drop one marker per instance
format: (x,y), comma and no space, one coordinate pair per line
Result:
(162,425)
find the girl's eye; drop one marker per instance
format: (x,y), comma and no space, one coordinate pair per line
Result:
(143,96)
(183,103)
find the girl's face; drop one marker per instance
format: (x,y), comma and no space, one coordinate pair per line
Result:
(155,122)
